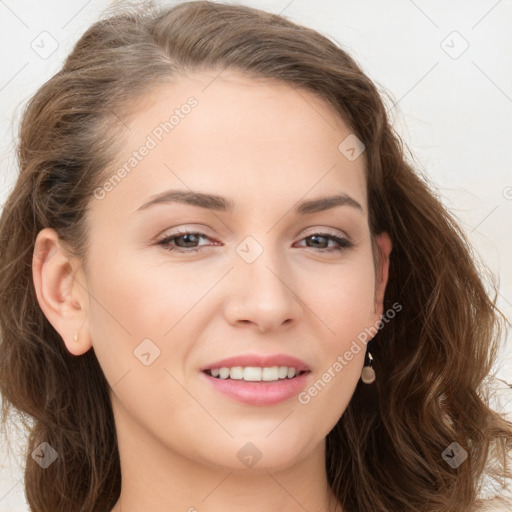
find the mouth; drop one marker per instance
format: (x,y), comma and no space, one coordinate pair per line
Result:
(264,374)
(257,385)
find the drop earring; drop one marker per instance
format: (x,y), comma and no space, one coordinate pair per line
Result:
(368,373)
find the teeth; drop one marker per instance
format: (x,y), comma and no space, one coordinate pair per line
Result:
(255,373)
(236,372)
(268,374)
(224,373)
(252,373)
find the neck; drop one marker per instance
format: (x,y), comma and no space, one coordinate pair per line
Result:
(159,479)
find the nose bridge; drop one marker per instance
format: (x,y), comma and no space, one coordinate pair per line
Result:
(263,293)
(263,265)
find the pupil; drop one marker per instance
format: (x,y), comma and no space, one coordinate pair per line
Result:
(187,238)
(316,237)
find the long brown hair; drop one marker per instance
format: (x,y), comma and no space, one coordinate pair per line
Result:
(432,360)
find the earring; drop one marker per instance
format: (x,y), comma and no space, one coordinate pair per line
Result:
(368,373)
(75,337)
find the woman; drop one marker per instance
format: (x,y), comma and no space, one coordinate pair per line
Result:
(223,286)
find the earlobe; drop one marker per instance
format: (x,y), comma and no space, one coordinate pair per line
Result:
(60,296)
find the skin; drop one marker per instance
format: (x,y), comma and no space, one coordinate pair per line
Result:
(266,146)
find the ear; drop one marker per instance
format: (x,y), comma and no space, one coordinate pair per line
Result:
(60,290)
(383,247)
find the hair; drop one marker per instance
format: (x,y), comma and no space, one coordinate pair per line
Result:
(432,360)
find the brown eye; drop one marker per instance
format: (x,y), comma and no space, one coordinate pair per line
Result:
(182,242)
(323,238)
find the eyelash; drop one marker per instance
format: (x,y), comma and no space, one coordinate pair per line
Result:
(343,243)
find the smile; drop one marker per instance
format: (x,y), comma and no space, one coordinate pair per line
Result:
(255,373)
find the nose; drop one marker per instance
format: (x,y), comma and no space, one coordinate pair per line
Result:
(264,294)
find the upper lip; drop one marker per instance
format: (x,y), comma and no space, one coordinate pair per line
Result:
(259,361)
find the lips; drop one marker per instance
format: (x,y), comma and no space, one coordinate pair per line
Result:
(260,393)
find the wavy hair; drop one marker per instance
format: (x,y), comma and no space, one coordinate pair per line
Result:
(432,360)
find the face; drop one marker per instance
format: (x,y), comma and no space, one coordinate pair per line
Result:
(261,274)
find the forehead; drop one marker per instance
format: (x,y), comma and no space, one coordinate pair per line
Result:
(257,140)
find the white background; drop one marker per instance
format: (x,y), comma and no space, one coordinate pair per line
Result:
(454,113)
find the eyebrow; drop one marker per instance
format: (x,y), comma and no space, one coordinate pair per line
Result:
(224,204)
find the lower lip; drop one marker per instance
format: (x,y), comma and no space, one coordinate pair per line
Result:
(259,393)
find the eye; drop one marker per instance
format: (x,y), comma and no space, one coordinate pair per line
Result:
(186,242)
(342,243)
(189,239)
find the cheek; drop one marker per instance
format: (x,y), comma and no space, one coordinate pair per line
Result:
(142,364)
(130,310)
(343,298)
(139,296)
